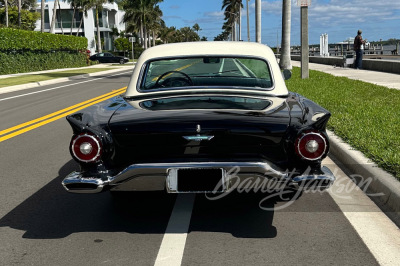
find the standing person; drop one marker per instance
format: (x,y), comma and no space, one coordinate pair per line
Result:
(359,48)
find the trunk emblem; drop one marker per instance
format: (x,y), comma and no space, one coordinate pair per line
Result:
(198,137)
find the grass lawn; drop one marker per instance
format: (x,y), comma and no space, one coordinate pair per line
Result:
(17,80)
(365,115)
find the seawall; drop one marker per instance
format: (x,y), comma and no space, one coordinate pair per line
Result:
(388,66)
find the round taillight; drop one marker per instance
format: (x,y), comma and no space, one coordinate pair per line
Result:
(86,148)
(311,146)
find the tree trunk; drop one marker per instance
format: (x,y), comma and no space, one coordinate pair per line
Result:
(234,31)
(154,39)
(19,13)
(42,5)
(141,34)
(6,6)
(80,25)
(145,36)
(98,32)
(60,18)
(240,23)
(149,39)
(73,18)
(284,62)
(53,20)
(258,21)
(248,22)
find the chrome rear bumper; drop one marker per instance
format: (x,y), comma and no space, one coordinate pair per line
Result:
(148,177)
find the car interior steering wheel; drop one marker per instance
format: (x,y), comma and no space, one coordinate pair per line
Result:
(182,81)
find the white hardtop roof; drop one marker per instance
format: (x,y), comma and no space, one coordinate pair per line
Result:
(209,49)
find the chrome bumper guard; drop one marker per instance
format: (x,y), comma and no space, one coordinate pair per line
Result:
(147,177)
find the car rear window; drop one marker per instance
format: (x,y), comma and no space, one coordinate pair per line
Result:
(206,72)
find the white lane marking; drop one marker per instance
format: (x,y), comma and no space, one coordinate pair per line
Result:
(378,232)
(244,73)
(173,243)
(222,65)
(59,87)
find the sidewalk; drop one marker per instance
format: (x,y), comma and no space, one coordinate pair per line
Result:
(375,77)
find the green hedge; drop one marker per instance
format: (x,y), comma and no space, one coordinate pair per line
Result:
(27,51)
(13,39)
(13,62)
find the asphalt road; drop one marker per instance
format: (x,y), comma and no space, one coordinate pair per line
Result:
(41,224)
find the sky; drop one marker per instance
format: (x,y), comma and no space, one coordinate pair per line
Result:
(340,19)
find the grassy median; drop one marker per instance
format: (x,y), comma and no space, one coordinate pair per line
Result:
(365,115)
(23,79)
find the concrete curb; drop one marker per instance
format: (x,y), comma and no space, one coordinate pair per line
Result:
(59,80)
(364,169)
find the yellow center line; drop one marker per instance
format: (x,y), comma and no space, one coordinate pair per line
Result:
(26,129)
(58,112)
(177,69)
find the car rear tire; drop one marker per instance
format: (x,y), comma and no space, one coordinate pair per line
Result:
(122,61)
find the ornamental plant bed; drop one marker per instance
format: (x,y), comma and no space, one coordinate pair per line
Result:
(365,115)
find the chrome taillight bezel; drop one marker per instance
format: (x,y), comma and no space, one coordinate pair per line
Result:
(305,156)
(93,138)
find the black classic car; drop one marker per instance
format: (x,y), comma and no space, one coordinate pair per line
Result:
(109,58)
(201,118)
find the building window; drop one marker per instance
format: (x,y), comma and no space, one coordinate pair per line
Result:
(64,18)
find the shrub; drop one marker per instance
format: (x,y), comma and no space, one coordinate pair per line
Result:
(13,39)
(13,62)
(26,51)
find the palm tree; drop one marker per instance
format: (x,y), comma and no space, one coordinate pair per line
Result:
(196,28)
(42,5)
(155,23)
(83,6)
(6,11)
(74,5)
(284,62)
(98,5)
(53,19)
(258,21)
(141,13)
(231,12)
(60,18)
(227,27)
(167,34)
(19,13)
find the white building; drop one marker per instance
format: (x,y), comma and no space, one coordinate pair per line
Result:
(109,18)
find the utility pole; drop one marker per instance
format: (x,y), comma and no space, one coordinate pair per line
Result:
(258,21)
(248,22)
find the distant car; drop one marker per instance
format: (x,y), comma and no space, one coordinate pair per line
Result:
(201,118)
(109,58)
